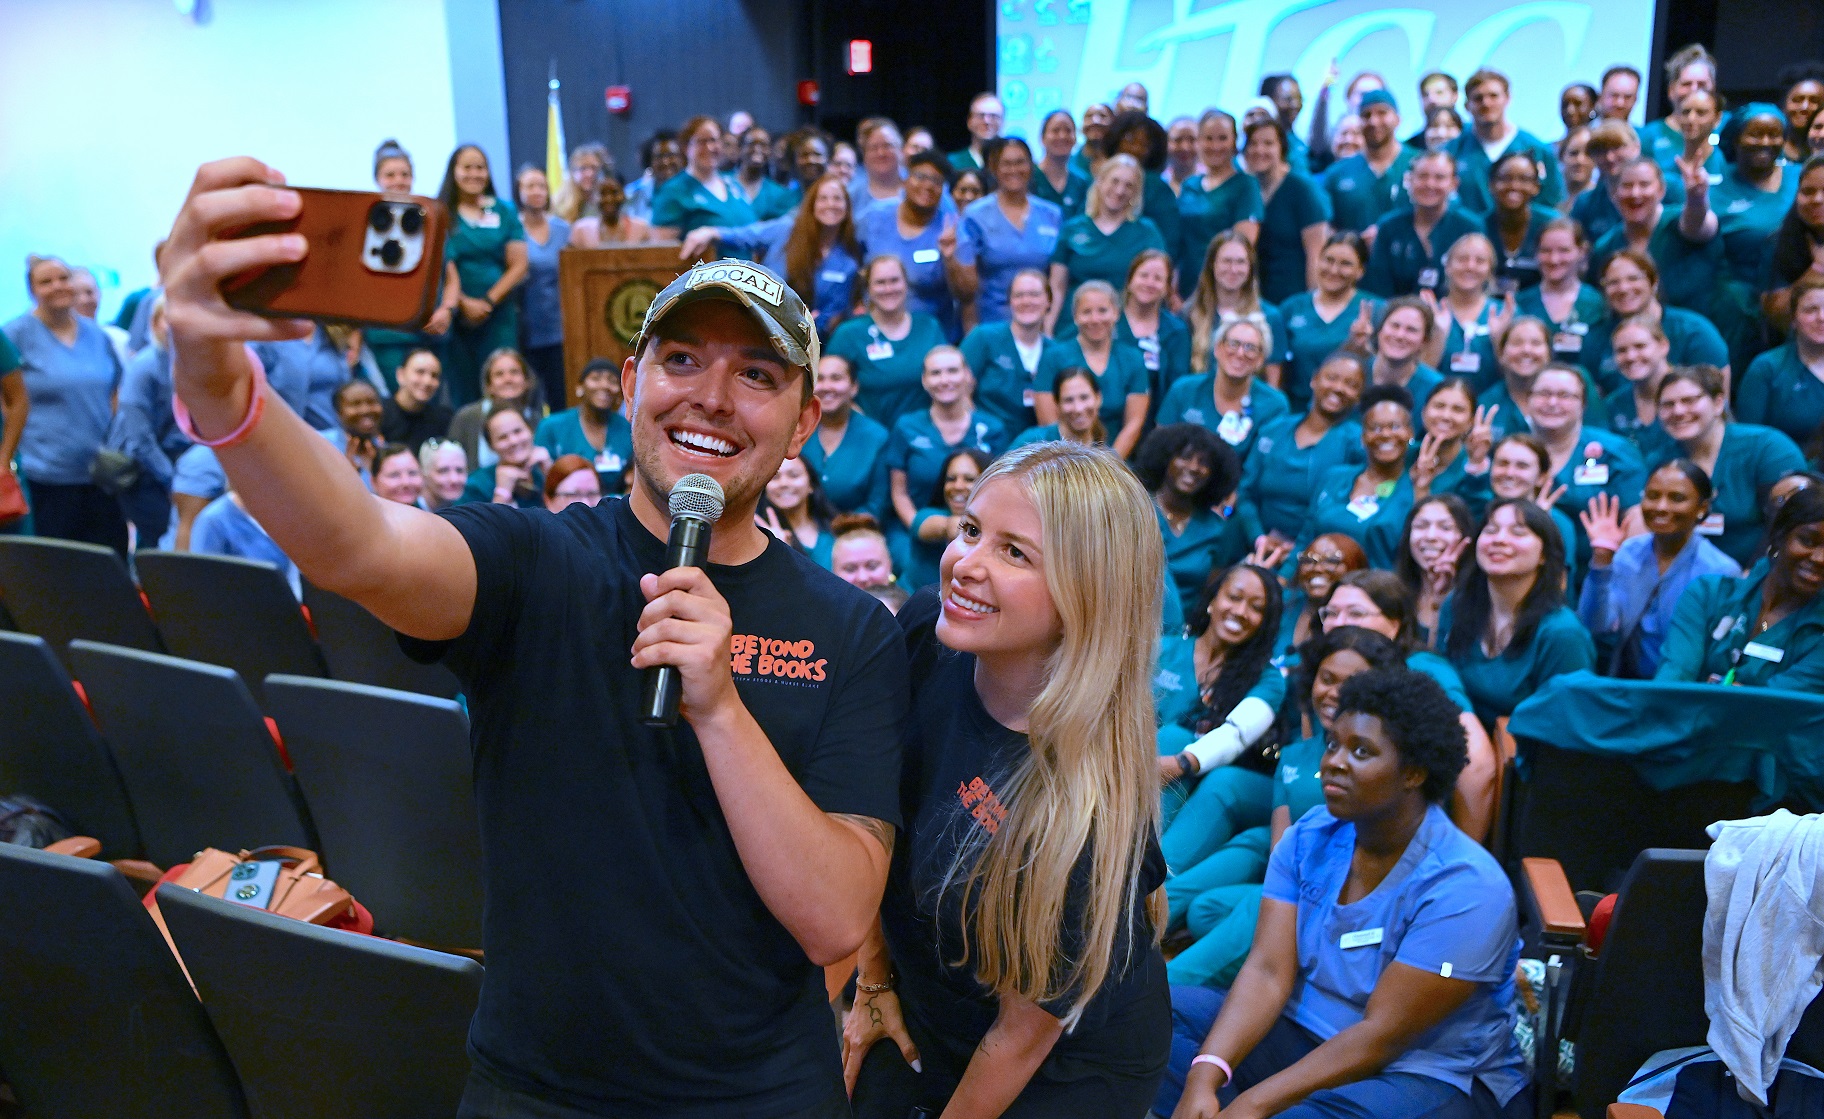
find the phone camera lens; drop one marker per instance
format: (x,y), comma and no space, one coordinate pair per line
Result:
(391,254)
(411,221)
(380,217)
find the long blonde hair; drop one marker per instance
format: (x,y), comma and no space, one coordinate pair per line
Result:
(1090,781)
(1092,202)
(1203,311)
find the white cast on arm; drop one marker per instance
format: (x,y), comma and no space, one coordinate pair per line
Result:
(1250,719)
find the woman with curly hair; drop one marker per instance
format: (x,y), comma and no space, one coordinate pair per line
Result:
(1191,473)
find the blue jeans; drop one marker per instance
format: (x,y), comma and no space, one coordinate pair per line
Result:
(1391,1095)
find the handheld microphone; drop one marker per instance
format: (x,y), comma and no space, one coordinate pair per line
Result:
(696,503)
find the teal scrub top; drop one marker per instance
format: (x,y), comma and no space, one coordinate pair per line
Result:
(1648,438)
(1661,142)
(1358,196)
(1439,669)
(1375,523)
(1568,334)
(1751,459)
(1473,166)
(1310,339)
(1193,401)
(1203,213)
(889,373)
(854,475)
(1779,391)
(1069,201)
(1747,218)
(561,433)
(1209,542)
(1520,269)
(773,200)
(479,489)
(1692,339)
(1497,684)
(1295,782)
(1166,354)
(1687,271)
(1044,433)
(1176,695)
(1470,354)
(1401,263)
(1295,206)
(1280,477)
(1089,254)
(1583,478)
(1423,382)
(916,447)
(1123,376)
(1159,205)
(686,204)
(924,560)
(479,249)
(1003,384)
(1710,638)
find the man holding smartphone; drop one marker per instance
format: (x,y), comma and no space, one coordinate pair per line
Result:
(659,903)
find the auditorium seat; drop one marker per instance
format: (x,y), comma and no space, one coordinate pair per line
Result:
(321,1022)
(51,750)
(388,776)
(233,612)
(199,764)
(96,1019)
(62,590)
(362,649)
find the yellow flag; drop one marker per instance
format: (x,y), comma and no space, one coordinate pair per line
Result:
(554,139)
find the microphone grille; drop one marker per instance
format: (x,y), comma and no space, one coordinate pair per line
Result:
(699,496)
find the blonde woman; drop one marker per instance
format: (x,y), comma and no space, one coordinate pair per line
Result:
(1018,904)
(1103,240)
(1228,288)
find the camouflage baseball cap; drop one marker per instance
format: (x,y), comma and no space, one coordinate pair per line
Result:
(767,297)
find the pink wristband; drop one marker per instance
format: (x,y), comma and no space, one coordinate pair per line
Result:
(256,407)
(1228,1073)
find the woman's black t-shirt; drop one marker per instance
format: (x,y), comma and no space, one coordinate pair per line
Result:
(956,757)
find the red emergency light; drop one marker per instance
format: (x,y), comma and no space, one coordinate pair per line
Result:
(861,56)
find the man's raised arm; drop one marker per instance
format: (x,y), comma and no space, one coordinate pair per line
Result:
(412,569)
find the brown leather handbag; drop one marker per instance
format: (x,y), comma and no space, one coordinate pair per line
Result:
(287,879)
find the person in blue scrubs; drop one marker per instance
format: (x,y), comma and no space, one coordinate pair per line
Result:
(1561,298)
(1681,239)
(1630,286)
(484,264)
(225,528)
(144,428)
(1784,388)
(1219,199)
(1368,503)
(700,195)
(1516,221)
(1101,242)
(1764,629)
(886,347)
(71,374)
(940,264)
(1486,95)
(1008,232)
(1410,242)
(541,319)
(1294,216)
(920,442)
(1448,419)
(1743,460)
(1191,475)
(1364,186)
(1634,583)
(1233,401)
(1507,630)
(1750,203)
(1121,369)
(595,429)
(939,515)
(318,364)
(1584,460)
(813,249)
(1468,316)
(1377,896)
(1521,351)
(1056,179)
(1327,318)
(1005,355)
(753,175)
(1295,451)
(1163,339)
(1228,287)
(1405,331)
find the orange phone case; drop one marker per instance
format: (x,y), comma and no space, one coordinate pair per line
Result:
(334,282)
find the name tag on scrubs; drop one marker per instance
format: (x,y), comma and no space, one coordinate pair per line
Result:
(1026,398)
(490,219)
(1764,652)
(1048,232)
(1465,363)
(925,256)
(1234,427)
(608,463)
(1364,507)
(1565,342)
(834,277)
(1591,474)
(1428,277)
(880,351)
(1361,938)
(1711,525)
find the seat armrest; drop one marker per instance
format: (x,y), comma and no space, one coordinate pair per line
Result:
(77,846)
(1553,900)
(1633,1111)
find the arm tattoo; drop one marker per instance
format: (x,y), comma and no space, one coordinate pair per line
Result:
(879,829)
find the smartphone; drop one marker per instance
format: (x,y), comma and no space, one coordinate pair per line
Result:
(372,258)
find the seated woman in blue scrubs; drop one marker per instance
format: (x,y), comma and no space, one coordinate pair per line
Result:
(1228,287)
(847,449)
(1765,629)
(1507,630)
(1368,503)
(1641,348)
(1634,583)
(1079,412)
(1401,337)
(1191,475)
(886,347)
(1103,240)
(1521,351)
(700,196)
(1161,337)
(517,476)
(793,509)
(1222,918)
(1447,417)
(1005,355)
(1334,314)
(1318,567)
(1376,897)
(1784,388)
(1010,231)
(1119,367)
(1743,460)
(1233,401)
(1294,452)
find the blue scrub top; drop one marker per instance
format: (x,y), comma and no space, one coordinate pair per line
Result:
(916,447)
(1446,907)
(834,286)
(1166,354)
(1193,401)
(144,427)
(1781,392)
(1001,250)
(1296,205)
(1280,477)
(561,433)
(1358,196)
(1003,383)
(1374,523)
(316,365)
(1710,638)
(1622,417)
(543,310)
(1688,270)
(1751,459)
(1401,263)
(1497,684)
(1123,376)
(889,372)
(225,529)
(686,204)
(1310,339)
(854,474)
(1747,219)
(1631,591)
(1203,213)
(877,228)
(1692,339)
(1209,542)
(71,390)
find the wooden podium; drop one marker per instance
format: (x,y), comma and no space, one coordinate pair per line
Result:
(605,293)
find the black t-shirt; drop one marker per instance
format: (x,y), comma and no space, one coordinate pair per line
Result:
(957,756)
(412,428)
(632,969)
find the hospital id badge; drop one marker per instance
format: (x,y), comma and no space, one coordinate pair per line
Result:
(1428,277)
(1711,525)
(1565,342)
(1591,474)
(1361,938)
(1234,428)
(925,256)
(1465,363)
(880,351)
(1026,398)
(1763,652)
(1364,507)
(608,463)
(490,219)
